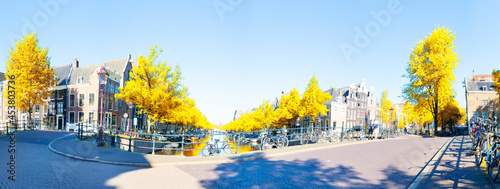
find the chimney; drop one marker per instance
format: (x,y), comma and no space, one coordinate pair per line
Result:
(75,63)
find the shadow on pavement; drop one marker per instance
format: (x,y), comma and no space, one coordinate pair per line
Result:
(263,173)
(456,168)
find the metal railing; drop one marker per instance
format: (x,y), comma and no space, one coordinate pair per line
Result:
(193,142)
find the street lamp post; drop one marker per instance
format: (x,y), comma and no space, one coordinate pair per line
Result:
(130,115)
(102,82)
(54,112)
(392,114)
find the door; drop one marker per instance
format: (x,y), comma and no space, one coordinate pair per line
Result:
(59,123)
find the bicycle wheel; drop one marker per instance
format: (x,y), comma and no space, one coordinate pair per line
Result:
(282,141)
(305,139)
(479,156)
(314,137)
(349,136)
(494,170)
(361,135)
(334,137)
(266,143)
(229,149)
(208,150)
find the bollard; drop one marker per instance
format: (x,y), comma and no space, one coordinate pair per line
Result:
(129,141)
(342,133)
(261,140)
(238,147)
(301,134)
(182,143)
(153,143)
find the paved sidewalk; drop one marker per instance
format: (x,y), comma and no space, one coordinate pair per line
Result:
(88,151)
(453,167)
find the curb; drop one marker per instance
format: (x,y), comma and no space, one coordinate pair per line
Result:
(431,164)
(93,160)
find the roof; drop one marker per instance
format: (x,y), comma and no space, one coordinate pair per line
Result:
(334,94)
(62,72)
(478,86)
(482,78)
(116,65)
(2,76)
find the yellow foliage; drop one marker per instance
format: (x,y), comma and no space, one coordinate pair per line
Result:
(156,90)
(496,84)
(29,73)
(290,107)
(386,116)
(313,101)
(430,71)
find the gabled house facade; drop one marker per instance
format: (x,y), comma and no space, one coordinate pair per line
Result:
(482,99)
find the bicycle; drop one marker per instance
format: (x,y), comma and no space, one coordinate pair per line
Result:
(212,148)
(279,141)
(361,135)
(332,136)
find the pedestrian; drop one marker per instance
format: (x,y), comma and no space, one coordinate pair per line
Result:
(375,129)
(370,130)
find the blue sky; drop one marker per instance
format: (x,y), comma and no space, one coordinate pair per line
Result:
(243,52)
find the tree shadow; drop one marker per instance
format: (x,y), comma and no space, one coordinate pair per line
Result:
(311,173)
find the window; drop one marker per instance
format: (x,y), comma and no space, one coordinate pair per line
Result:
(113,119)
(72,100)
(110,103)
(60,108)
(474,113)
(91,117)
(116,89)
(91,99)
(485,114)
(81,117)
(112,88)
(81,100)
(37,108)
(52,107)
(104,100)
(79,80)
(116,104)
(484,102)
(71,117)
(60,94)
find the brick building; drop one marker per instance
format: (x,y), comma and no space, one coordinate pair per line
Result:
(482,99)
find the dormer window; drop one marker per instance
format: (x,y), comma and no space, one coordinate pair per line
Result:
(79,80)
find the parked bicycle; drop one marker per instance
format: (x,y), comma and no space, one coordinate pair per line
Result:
(216,146)
(269,141)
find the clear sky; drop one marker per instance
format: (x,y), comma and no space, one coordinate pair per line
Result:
(238,53)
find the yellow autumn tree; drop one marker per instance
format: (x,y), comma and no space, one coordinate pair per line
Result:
(29,73)
(451,114)
(496,84)
(155,88)
(430,71)
(288,108)
(408,114)
(385,113)
(313,101)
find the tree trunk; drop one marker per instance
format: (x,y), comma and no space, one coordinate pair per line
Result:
(149,125)
(435,119)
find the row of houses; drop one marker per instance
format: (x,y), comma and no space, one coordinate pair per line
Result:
(354,105)
(76,97)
